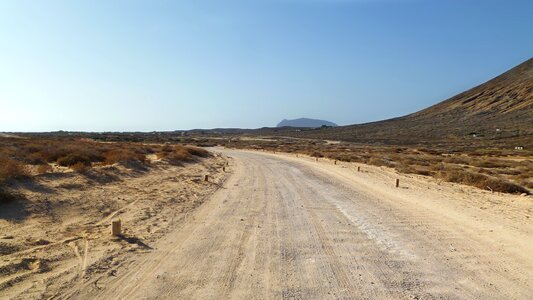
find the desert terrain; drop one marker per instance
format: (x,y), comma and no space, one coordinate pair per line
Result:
(56,231)
(283,226)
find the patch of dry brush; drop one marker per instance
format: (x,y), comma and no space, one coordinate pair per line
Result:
(178,154)
(499,170)
(18,156)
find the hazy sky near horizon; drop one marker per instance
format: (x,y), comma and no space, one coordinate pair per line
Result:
(166,65)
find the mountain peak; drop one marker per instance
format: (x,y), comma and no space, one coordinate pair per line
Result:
(305,122)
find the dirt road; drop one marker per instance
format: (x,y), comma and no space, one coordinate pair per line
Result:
(287,227)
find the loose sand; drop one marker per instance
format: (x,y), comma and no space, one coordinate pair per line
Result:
(61,235)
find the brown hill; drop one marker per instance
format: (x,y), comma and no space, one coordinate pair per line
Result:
(499,111)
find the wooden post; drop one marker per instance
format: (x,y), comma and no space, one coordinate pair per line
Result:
(316,158)
(116,227)
(358,169)
(397,182)
(335,162)
(206,178)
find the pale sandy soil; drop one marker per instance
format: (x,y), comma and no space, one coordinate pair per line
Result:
(293,228)
(64,238)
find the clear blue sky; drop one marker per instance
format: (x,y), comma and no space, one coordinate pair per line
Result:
(166,65)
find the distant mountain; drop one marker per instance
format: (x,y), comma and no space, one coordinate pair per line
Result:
(305,122)
(500,110)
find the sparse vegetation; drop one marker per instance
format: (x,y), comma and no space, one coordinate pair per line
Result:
(124,156)
(44,168)
(196,151)
(11,169)
(496,169)
(21,158)
(497,165)
(178,154)
(72,159)
(481,181)
(79,167)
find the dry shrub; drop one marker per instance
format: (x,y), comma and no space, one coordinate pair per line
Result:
(424,172)
(340,157)
(507,171)
(35,158)
(487,164)
(486,171)
(481,181)
(167,148)
(197,151)
(80,167)
(409,169)
(42,169)
(124,156)
(71,152)
(457,160)
(73,159)
(378,161)
(12,169)
(179,155)
(317,154)
(504,186)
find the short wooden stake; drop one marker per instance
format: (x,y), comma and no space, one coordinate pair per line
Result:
(316,158)
(116,228)
(206,178)
(358,169)
(335,162)
(397,182)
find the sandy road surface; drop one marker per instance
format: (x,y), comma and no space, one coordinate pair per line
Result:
(286,227)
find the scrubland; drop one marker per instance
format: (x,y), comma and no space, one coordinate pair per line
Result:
(58,197)
(24,158)
(498,170)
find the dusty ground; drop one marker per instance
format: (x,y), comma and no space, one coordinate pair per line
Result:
(288,227)
(64,238)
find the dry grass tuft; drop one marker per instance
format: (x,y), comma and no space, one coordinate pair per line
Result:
(197,151)
(80,167)
(124,156)
(44,168)
(12,169)
(73,159)
(178,154)
(481,181)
